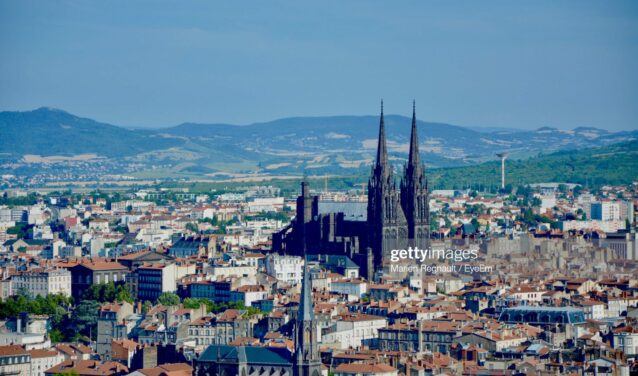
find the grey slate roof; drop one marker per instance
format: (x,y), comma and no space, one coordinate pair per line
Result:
(353,211)
(543,314)
(245,354)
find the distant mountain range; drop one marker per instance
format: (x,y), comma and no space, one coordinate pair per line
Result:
(316,145)
(47,132)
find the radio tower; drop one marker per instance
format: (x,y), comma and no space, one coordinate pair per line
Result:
(502,156)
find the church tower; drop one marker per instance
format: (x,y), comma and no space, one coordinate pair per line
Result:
(306,360)
(307,209)
(387,225)
(415,194)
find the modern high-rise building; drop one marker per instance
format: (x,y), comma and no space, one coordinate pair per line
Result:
(605,210)
(627,211)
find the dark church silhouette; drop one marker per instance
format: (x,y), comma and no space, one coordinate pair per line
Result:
(396,218)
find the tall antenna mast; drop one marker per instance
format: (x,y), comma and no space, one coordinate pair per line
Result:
(502,156)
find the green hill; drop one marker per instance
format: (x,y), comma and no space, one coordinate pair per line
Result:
(613,164)
(48,132)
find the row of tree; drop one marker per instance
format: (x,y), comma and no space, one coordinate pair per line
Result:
(169,298)
(78,322)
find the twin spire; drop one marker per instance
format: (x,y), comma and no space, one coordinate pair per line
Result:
(382,153)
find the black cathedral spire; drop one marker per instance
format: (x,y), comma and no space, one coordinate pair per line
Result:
(382,152)
(414,192)
(414,160)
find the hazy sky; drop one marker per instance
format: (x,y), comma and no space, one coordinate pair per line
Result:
(476,63)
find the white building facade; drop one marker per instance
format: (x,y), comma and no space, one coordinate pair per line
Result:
(43,283)
(285,268)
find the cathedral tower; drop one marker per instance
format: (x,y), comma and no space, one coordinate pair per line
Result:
(387,225)
(414,193)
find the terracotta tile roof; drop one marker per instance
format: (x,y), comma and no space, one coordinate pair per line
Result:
(202,321)
(353,356)
(365,368)
(281,343)
(355,317)
(229,315)
(110,307)
(183,311)
(133,256)
(12,350)
(169,369)
(244,341)
(126,343)
(625,329)
(82,348)
(64,348)
(251,288)
(89,367)
(42,353)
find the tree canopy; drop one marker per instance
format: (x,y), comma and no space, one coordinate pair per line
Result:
(168,299)
(109,292)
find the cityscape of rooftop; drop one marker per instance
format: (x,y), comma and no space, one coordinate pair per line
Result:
(479,220)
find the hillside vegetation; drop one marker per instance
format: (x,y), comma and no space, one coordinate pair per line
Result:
(614,164)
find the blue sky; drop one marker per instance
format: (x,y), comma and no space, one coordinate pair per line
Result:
(476,63)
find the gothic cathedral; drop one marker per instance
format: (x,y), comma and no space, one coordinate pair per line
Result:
(398,214)
(397,218)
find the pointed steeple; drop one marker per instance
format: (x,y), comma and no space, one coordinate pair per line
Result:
(382,154)
(306,311)
(306,359)
(414,192)
(414,160)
